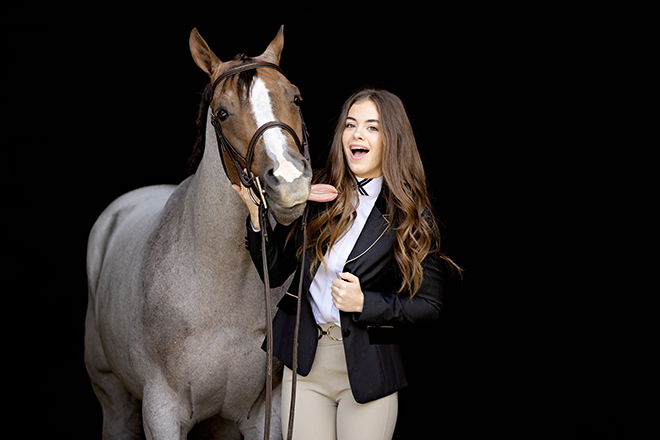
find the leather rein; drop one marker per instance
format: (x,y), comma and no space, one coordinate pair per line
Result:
(252,182)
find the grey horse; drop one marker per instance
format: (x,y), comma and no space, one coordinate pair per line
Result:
(176,316)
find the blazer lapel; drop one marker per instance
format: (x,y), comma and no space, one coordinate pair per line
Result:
(374,230)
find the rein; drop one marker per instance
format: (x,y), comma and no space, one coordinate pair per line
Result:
(252,182)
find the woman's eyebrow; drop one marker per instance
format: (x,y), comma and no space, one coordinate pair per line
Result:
(368,120)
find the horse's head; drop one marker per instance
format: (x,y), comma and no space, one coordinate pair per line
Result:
(242,103)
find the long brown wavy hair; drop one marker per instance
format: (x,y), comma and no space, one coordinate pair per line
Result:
(409,210)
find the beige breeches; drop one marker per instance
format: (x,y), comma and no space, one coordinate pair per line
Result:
(325,407)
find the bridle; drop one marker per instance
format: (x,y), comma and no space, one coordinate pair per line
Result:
(243,167)
(245,163)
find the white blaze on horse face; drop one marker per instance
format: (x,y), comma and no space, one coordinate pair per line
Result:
(274,138)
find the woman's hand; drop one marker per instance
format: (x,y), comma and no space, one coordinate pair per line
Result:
(318,193)
(347,294)
(254,209)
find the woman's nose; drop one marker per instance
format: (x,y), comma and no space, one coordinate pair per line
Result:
(357,134)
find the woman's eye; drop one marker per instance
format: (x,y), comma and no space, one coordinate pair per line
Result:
(372,128)
(350,125)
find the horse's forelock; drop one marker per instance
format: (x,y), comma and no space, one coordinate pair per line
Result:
(243,80)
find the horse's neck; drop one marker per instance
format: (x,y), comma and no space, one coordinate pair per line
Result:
(218,213)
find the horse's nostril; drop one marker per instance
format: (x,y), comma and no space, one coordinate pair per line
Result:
(271,179)
(286,171)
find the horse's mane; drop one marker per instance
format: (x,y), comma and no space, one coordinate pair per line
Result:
(244,82)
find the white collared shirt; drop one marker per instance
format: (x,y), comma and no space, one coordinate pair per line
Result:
(322,307)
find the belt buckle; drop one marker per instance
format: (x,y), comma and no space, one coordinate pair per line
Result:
(328,332)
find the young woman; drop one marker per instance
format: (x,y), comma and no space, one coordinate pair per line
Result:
(373,264)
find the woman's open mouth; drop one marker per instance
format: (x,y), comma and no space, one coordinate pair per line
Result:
(358,151)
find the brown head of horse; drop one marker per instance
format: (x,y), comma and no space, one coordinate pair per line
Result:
(256,115)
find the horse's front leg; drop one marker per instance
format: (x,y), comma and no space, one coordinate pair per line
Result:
(165,414)
(253,427)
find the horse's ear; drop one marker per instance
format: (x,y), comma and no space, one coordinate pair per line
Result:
(274,49)
(202,53)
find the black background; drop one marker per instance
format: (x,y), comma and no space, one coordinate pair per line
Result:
(529,124)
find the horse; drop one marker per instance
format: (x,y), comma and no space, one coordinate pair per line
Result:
(176,316)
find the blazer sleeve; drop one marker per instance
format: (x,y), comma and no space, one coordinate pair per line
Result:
(390,308)
(281,255)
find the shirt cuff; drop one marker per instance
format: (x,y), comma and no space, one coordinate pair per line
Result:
(251,226)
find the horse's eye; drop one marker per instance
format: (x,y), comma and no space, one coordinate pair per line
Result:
(221,114)
(297,100)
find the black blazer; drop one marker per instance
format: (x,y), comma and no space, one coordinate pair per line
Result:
(373,358)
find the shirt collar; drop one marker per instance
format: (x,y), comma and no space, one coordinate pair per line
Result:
(373,187)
